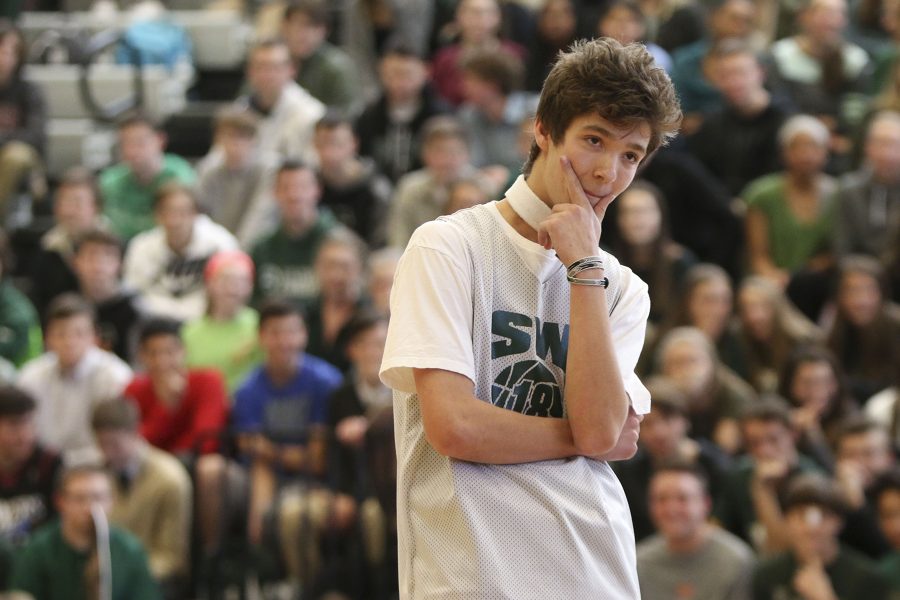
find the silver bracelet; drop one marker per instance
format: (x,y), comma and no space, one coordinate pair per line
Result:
(602,282)
(583,264)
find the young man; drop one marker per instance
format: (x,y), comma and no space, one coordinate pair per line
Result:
(129,188)
(61,560)
(690,558)
(886,493)
(514,382)
(152,498)
(816,565)
(72,377)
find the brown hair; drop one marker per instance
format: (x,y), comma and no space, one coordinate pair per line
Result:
(116,415)
(501,69)
(620,83)
(68,305)
(241,121)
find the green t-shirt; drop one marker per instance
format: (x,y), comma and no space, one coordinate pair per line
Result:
(890,569)
(18,321)
(791,242)
(232,346)
(128,203)
(49,569)
(852,575)
(284,264)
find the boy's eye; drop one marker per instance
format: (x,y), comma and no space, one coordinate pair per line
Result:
(593,140)
(632,157)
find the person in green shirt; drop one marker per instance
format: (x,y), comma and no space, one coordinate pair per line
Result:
(20,328)
(129,188)
(62,561)
(226,336)
(284,260)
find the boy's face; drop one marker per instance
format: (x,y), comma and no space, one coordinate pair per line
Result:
(445,157)
(118,447)
(141,147)
(176,214)
(883,148)
(302,36)
(735,76)
(162,354)
(70,338)
(17,438)
(768,440)
(889,516)
(282,339)
(403,77)
(269,70)
(236,145)
(334,145)
(859,298)
(297,192)
(604,156)
(97,264)
(814,384)
(339,271)
(812,531)
(75,207)
(661,432)
(81,492)
(870,451)
(689,367)
(678,504)
(367,350)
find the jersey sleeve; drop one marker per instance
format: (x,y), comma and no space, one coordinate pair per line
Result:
(628,323)
(431,309)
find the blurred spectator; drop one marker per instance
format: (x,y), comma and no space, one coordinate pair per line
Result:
(728,19)
(97,263)
(286,111)
(19,325)
(770,329)
(466,193)
(284,259)
(22,120)
(643,243)
(689,557)
(166,263)
(71,378)
(864,453)
(884,408)
(716,396)
(339,267)
(887,58)
(352,187)
(816,565)
(747,124)
(380,278)
(869,199)
(556,30)
(225,337)
(322,69)
(76,209)
(182,410)
(886,494)
(751,505)
(664,439)
(478,25)
(421,195)
(27,473)
(128,189)
(824,74)
(389,128)
(236,192)
(865,334)
(280,414)
(62,560)
(152,495)
(812,382)
(624,20)
(494,108)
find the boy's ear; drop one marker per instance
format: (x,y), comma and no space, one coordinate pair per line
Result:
(541,135)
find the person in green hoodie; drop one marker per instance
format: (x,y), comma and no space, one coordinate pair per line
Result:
(20,329)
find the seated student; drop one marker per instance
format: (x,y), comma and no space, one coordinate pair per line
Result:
(152,496)
(352,187)
(664,438)
(420,195)
(864,453)
(179,407)
(625,21)
(339,272)
(280,414)
(690,557)
(886,495)
(236,193)
(716,396)
(61,562)
(97,262)
(284,259)
(128,189)
(752,498)
(382,266)
(816,564)
(166,263)
(27,472)
(389,128)
(19,324)
(72,377)
(225,338)
(76,209)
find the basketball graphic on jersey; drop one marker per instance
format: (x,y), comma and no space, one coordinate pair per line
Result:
(528,387)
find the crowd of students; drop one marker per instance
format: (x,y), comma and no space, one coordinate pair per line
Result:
(194,347)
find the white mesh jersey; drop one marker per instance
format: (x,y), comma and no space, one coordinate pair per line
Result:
(473,297)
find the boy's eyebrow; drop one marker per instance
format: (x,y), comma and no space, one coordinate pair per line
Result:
(607,133)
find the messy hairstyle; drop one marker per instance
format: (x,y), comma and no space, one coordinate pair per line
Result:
(622,84)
